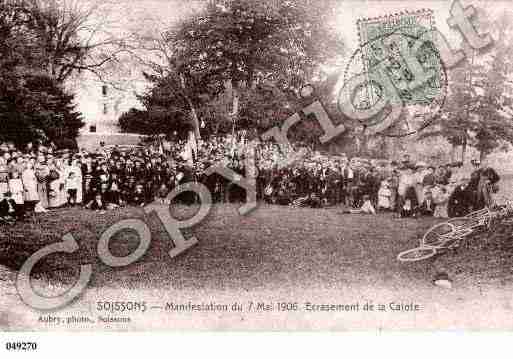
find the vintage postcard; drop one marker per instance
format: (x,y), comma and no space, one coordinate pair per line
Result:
(244,165)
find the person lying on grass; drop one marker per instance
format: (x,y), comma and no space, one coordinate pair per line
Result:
(366,208)
(98,203)
(7,209)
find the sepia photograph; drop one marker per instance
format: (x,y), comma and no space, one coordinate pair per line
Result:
(255,165)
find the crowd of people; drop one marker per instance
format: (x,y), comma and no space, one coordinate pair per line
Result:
(38,178)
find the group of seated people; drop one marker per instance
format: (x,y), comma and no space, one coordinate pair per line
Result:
(413,193)
(40,179)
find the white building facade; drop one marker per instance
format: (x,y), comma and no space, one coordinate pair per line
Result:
(101,106)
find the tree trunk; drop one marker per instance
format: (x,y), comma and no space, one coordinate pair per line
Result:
(482,156)
(463,150)
(365,145)
(195,121)
(235,104)
(235,101)
(194,116)
(251,83)
(393,148)
(216,131)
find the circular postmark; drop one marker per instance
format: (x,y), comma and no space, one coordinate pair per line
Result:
(395,84)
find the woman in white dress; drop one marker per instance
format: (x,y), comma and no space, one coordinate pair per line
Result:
(42,171)
(54,186)
(75,168)
(4,177)
(16,188)
(31,195)
(62,193)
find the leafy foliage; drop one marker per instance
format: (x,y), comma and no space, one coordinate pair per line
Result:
(33,104)
(242,40)
(38,108)
(479,108)
(258,54)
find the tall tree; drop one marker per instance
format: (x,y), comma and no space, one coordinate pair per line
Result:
(33,105)
(479,108)
(73,37)
(235,45)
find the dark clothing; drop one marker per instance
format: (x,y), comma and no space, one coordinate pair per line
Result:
(429,180)
(460,202)
(479,193)
(474,180)
(113,197)
(7,208)
(162,193)
(72,196)
(426,209)
(412,196)
(406,164)
(492,175)
(138,198)
(98,206)
(441,179)
(406,213)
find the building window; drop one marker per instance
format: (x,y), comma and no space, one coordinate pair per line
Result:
(104,90)
(92,128)
(105,109)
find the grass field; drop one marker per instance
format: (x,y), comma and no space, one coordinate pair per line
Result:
(273,252)
(270,247)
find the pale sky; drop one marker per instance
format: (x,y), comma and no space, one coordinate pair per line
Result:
(349,11)
(150,15)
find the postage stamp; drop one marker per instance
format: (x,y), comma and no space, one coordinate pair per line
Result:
(400,62)
(390,38)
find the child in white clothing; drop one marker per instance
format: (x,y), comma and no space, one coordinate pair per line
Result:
(72,185)
(16,188)
(384,195)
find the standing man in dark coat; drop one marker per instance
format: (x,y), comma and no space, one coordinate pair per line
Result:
(475,187)
(460,201)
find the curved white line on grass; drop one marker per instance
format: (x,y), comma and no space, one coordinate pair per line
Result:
(38,301)
(143,231)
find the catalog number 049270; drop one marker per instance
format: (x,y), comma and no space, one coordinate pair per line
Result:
(21,346)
